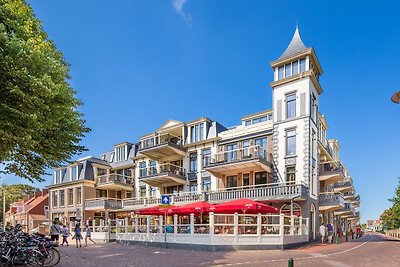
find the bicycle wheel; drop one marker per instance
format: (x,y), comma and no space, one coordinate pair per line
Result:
(28,261)
(53,257)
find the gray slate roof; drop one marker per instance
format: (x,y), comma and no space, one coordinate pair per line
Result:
(295,46)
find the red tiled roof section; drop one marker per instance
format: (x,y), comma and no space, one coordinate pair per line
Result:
(36,202)
(37,217)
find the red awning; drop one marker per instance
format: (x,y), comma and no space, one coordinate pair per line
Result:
(155,210)
(195,208)
(243,205)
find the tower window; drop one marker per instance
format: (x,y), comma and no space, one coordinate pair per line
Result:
(290,143)
(288,71)
(302,65)
(295,67)
(290,106)
(280,73)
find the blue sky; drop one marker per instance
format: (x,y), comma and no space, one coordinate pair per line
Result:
(136,64)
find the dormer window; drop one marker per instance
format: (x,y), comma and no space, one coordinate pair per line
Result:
(112,157)
(121,153)
(197,133)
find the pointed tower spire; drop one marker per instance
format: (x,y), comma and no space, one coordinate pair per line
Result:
(295,46)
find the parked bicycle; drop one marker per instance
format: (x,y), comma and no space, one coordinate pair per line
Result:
(18,248)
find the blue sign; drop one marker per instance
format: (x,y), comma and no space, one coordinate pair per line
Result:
(165,200)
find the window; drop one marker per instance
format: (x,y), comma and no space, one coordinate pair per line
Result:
(197,132)
(246,179)
(70,197)
(57,177)
(153,169)
(55,199)
(256,120)
(142,191)
(246,149)
(231,152)
(261,147)
(193,162)
(101,172)
(62,198)
(127,172)
(153,191)
(206,184)
(121,153)
(112,157)
(295,67)
(247,123)
(206,157)
(302,65)
(291,174)
(148,142)
(128,194)
(174,190)
(101,193)
(288,69)
(78,195)
(118,194)
(142,169)
(75,171)
(260,178)
(312,107)
(231,181)
(280,73)
(262,119)
(290,106)
(193,187)
(290,143)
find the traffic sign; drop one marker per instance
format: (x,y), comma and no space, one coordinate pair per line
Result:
(165,200)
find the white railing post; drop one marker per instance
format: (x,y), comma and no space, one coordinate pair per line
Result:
(211,227)
(236,227)
(126,225)
(175,224)
(281,224)
(160,227)
(136,225)
(259,222)
(191,224)
(300,226)
(147,225)
(307,226)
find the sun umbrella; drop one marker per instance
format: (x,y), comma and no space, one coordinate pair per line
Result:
(195,208)
(155,210)
(243,205)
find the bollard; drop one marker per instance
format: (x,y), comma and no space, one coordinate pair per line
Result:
(337,239)
(290,262)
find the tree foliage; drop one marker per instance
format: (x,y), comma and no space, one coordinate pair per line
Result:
(15,193)
(40,124)
(391,216)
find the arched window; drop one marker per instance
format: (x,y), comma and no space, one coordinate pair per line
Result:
(286,209)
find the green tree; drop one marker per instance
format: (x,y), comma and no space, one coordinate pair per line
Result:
(14,193)
(391,217)
(41,126)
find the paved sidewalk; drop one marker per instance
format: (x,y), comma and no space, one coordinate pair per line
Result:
(370,250)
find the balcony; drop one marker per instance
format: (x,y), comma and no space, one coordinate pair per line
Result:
(180,199)
(343,186)
(100,204)
(269,192)
(230,162)
(330,201)
(114,181)
(347,211)
(162,146)
(163,175)
(330,175)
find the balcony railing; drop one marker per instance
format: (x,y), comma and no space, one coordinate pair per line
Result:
(114,178)
(326,169)
(160,140)
(241,154)
(343,184)
(162,169)
(103,203)
(175,199)
(331,199)
(259,192)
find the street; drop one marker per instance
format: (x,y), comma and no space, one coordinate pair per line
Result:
(370,250)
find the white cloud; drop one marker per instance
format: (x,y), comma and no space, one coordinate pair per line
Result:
(178,6)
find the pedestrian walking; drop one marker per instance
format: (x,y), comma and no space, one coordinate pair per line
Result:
(65,233)
(322,232)
(55,232)
(78,235)
(329,226)
(88,234)
(358,231)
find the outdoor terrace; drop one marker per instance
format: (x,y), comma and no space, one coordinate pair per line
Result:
(103,204)
(330,201)
(114,181)
(163,175)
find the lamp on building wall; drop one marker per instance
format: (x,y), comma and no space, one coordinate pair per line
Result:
(396,97)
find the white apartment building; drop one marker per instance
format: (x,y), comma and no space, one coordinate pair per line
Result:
(280,157)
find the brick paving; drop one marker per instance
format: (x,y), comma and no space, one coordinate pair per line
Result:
(372,249)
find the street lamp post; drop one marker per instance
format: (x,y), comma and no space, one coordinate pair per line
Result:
(4,209)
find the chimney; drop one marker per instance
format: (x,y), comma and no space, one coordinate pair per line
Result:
(37,194)
(45,191)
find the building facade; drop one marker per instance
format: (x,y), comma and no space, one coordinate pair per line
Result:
(280,157)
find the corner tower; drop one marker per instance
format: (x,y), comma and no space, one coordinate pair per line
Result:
(296,92)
